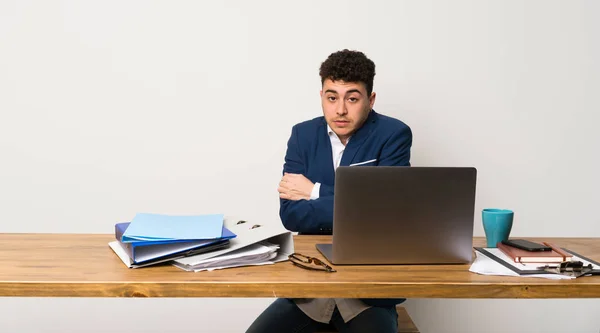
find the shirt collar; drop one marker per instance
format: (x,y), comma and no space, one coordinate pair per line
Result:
(330,132)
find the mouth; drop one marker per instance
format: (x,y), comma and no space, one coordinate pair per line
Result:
(341,123)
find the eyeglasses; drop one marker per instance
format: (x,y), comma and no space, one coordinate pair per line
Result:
(307,262)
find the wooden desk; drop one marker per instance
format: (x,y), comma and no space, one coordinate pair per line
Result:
(68,265)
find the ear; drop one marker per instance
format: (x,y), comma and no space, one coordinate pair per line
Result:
(372,99)
(321,93)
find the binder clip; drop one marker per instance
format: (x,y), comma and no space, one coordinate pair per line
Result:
(570,268)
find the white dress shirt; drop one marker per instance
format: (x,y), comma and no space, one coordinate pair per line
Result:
(321,309)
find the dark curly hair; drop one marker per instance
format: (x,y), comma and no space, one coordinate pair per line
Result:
(348,66)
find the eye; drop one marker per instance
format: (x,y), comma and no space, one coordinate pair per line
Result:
(331,98)
(353,99)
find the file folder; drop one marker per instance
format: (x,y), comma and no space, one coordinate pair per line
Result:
(143,252)
(247,235)
(119,250)
(160,227)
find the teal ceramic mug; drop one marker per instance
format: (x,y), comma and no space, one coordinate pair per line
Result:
(497,224)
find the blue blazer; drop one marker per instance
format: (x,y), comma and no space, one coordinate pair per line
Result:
(381,141)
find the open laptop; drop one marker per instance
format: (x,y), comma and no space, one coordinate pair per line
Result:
(402,215)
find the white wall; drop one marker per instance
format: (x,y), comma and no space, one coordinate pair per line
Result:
(109,108)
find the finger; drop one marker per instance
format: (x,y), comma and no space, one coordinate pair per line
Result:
(294,194)
(285,185)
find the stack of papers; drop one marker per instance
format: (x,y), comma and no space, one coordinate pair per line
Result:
(193,243)
(255,244)
(262,253)
(492,261)
(152,238)
(485,265)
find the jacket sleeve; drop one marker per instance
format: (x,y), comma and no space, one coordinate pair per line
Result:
(305,216)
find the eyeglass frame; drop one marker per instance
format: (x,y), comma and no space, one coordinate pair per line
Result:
(297,259)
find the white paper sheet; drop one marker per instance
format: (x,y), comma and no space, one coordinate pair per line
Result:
(262,253)
(248,234)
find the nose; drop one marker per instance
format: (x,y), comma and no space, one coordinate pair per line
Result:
(341,109)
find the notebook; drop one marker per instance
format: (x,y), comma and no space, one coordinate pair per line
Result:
(554,256)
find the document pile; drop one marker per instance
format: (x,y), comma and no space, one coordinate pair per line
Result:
(493,261)
(153,238)
(254,245)
(198,243)
(261,253)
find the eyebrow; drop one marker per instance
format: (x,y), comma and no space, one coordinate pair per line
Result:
(353,91)
(347,92)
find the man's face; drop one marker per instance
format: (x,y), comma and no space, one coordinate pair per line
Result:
(345,106)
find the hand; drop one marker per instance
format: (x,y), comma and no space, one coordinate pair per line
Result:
(295,187)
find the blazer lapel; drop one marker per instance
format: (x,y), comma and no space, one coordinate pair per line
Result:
(358,138)
(324,155)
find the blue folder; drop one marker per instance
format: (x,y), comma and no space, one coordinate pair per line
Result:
(144,252)
(159,227)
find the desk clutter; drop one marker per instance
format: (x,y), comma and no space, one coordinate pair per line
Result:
(555,263)
(199,243)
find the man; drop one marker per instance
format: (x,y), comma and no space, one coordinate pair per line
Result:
(349,133)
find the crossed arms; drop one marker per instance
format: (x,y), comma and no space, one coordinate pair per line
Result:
(301,214)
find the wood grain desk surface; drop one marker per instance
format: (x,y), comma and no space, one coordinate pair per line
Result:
(72,265)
